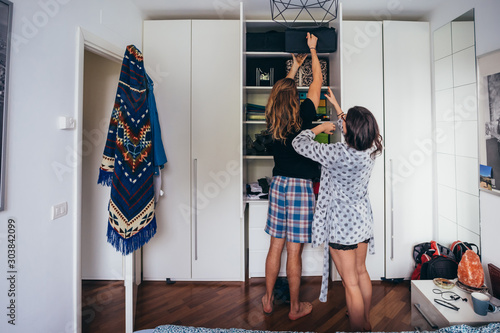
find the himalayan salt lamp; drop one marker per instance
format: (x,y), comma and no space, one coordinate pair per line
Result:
(470,271)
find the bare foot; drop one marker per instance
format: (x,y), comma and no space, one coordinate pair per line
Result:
(267,305)
(304,309)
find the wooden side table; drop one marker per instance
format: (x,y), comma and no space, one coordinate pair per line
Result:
(428,315)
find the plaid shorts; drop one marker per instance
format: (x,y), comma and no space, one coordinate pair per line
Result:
(291,209)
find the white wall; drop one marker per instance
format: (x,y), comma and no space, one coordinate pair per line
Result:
(456,135)
(487,40)
(486,20)
(40,170)
(490,229)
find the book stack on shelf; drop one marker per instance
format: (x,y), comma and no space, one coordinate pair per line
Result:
(256,112)
(321,113)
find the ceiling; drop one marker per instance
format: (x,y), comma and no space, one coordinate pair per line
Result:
(260,9)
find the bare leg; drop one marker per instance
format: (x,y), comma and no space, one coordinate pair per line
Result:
(273,263)
(345,261)
(298,309)
(365,283)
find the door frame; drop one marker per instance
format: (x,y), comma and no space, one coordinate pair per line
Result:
(90,42)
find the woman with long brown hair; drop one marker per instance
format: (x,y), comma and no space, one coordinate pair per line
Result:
(291,195)
(343,219)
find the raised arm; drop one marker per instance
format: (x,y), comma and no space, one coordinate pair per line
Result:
(326,127)
(323,153)
(331,97)
(314,92)
(298,60)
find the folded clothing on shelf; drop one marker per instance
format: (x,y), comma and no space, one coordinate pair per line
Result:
(269,41)
(256,112)
(262,145)
(255,116)
(259,189)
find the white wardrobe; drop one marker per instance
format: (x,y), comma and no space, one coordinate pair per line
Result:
(386,68)
(196,67)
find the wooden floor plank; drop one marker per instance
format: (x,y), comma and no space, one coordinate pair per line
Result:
(236,305)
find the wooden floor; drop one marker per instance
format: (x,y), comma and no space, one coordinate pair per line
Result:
(236,305)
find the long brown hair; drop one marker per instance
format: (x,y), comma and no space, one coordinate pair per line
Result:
(362,130)
(283,109)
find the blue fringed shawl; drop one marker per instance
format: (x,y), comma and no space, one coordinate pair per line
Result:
(128,162)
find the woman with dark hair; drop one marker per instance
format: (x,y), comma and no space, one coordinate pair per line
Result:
(343,218)
(291,195)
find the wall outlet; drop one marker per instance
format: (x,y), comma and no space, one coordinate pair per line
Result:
(59,210)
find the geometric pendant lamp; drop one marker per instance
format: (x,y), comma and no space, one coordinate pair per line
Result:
(287,12)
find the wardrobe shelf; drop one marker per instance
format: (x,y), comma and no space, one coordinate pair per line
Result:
(269,54)
(255,200)
(268,88)
(254,122)
(258,157)
(256,23)
(263,122)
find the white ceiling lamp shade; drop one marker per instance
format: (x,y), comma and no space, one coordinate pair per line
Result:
(289,12)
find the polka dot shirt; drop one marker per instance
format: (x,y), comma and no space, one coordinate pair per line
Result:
(343,212)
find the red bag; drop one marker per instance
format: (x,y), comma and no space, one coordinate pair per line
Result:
(435,260)
(416,273)
(458,248)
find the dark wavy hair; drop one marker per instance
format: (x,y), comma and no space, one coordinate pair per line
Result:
(362,130)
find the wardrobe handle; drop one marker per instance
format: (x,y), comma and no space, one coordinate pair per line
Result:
(391,171)
(431,324)
(195,207)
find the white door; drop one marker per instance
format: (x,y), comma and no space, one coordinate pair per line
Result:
(167,57)
(408,144)
(216,150)
(363,83)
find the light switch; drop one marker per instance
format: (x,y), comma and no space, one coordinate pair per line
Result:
(66,122)
(59,210)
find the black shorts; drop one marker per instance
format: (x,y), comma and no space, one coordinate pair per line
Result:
(342,247)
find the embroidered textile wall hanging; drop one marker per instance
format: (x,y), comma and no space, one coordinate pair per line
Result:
(128,164)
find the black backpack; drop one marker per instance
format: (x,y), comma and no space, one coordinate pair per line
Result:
(458,248)
(431,263)
(439,267)
(426,248)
